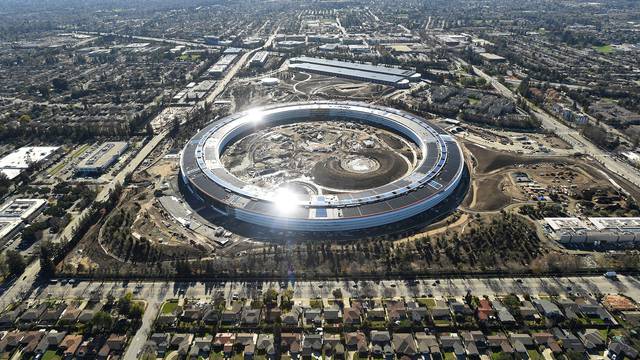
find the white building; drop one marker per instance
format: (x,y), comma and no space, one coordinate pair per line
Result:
(571,230)
(16,162)
(101,159)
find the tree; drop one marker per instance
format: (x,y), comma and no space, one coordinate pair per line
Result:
(136,311)
(47,267)
(574,355)
(15,262)
(102,320)
(270,297)
(124,304)
(523,88)
(60,84)
(337,293)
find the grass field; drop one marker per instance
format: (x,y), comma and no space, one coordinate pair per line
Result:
(430,303)
(50,355)
(604,49)
(169,307)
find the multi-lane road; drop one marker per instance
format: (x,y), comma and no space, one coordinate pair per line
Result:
(568,134)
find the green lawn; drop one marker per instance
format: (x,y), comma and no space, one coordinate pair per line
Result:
(441,322)
(428,302)
(604,333)
(378,325)
(216,356)
(315,304)
(534,354)
(449,356)
(169,307)
(50,355)
(496,355)
(605,49)
(79,152)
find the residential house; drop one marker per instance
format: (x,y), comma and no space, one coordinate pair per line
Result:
(9,318)
(272,315)
(247,341)
(30,341)
(51,316)
(595,312)
(191,313)
(404,345)
(352,316)
(181,343)
(312,345)
(528,311)
(70,315)
(357,341)
(451,342)
(548,309)
(570,308)
(201,346)
(11,341)
(162,341)
(333,314)
(474,341)
(381,343)
(291,318)
(547,340)
(499,343)
(440,312)
(313,317)
(115,344)
(569,341)
(613,302)
(592,340)
(70,345)
(291,343)
(87,315)
(211,315)
(232,315)
(224,342)
(620,350)
(427,345)
(32,315)
(503,314)
(89,348)
(376,314)
(266,345)
(51,340)
(396,310)
(333,346)
(459,308)
(485,311)
(416,313)
(251,317)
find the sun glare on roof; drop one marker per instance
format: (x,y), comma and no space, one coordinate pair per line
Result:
(284,201)
(254,116)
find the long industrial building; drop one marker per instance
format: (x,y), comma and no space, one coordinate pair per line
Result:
(594,230)
(101,159)
(432,181)
(385,75)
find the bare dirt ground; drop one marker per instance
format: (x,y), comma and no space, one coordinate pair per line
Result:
(495,172)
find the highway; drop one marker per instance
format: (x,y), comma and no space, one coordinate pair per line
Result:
(570,135)
(157,292)
(222,84)
(151,39)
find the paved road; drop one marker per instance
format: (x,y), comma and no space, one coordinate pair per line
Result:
(156,292)
(222,84)
(572,136)
(151,39)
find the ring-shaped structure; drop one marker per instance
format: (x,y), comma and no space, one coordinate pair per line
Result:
(437,173)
